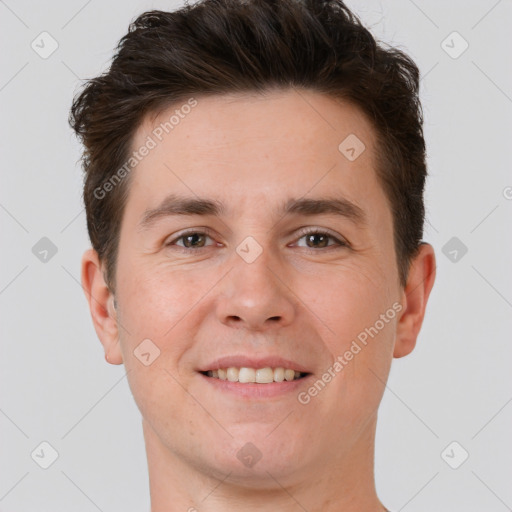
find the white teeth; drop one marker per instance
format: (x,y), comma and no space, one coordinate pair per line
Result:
(259,375)
(279,374)
(264,375)
(247,375)
(232,374)
(289,374)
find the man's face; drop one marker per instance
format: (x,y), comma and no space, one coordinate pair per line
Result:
(251,288)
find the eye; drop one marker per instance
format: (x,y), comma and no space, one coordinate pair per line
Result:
(317,239)
(190,239)
(314,239)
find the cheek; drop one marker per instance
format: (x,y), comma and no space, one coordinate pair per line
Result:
(349,306)
(151,314)
(155,299)
(153,307)
(346,300)
(350,303)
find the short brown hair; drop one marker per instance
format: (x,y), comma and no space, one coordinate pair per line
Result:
(216,47)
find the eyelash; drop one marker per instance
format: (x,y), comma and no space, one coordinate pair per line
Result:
(302,233)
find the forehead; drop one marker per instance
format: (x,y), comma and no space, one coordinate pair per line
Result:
(269,121)
(242,149)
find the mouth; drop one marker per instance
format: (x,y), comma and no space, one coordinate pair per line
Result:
(248,375)
(255,378)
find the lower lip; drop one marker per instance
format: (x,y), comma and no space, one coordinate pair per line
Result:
(253,390)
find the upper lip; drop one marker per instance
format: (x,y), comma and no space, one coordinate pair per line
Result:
(241,361)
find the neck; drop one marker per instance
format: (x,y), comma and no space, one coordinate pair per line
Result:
(344,484)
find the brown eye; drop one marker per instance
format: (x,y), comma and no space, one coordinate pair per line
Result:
(190,240)
(193,240)
(316,239)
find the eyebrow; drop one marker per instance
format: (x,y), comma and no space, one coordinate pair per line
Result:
(174,205)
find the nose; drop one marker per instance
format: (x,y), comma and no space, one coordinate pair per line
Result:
(256,296)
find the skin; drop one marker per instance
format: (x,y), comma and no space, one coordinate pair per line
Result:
(302,302)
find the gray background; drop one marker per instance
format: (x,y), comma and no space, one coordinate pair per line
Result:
(456,386)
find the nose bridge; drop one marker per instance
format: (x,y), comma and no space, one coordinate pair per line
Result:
(254,294)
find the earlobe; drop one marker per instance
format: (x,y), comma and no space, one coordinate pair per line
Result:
(420,281)
(101,306)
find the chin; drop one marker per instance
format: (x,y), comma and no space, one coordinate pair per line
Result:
(256,460)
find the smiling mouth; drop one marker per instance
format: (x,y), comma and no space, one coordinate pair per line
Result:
(246,375)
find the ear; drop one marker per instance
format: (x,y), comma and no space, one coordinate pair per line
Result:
(420,280)
(101,305)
